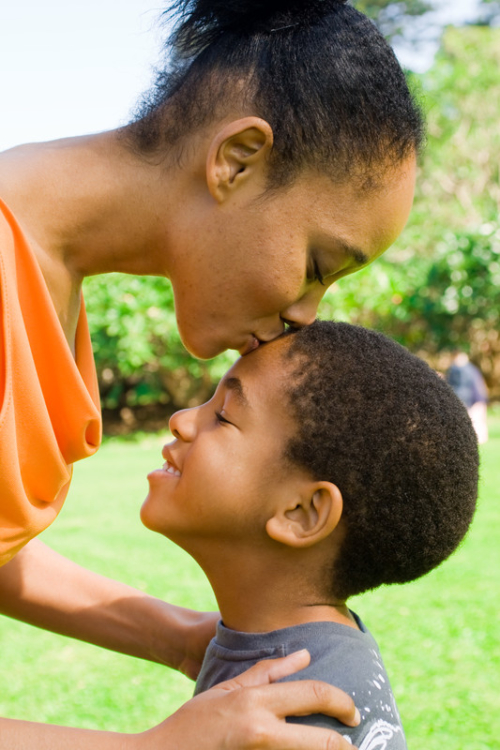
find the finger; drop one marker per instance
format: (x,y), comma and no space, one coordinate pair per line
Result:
(269,670)
(295,698)
(288,665)
(310,697)
(302,737)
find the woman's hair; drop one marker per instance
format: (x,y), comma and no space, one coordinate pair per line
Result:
(377,422)
(318,71)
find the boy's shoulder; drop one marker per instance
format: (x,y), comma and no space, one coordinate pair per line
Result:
(340,655)
(350,659)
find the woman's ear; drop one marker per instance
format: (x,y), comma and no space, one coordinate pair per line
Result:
(238,152)
(311,519)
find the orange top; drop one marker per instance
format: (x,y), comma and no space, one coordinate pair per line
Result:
(49,401)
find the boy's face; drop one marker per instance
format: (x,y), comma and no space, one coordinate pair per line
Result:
(225,472)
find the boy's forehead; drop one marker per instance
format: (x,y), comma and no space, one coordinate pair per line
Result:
(265,364)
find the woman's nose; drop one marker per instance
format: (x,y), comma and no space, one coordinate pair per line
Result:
(303,311)
(182,424)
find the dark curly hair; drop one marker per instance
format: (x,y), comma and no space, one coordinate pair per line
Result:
(318,71)
(379,423)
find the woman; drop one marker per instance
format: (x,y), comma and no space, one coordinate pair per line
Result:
(275,155)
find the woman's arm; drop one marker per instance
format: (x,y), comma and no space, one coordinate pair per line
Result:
(246,713)
(42,588)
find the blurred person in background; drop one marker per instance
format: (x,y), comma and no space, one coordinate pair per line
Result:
(468,383)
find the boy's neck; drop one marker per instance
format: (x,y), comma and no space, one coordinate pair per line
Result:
(257,594)
(262,619)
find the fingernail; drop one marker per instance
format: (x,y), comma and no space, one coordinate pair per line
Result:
(357,717)
(302,656)
(299,653)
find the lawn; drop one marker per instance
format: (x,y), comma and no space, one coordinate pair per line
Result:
(439,636)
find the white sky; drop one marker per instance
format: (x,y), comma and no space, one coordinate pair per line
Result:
(68,68)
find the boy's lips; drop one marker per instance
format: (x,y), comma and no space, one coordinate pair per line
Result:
(170,469)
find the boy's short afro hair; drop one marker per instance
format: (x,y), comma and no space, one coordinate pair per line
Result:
(379,423)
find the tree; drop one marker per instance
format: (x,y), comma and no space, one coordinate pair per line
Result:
(440,285)
(139,355)
(394,18)
(489,13)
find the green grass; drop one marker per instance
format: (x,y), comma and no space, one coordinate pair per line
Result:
(439,636)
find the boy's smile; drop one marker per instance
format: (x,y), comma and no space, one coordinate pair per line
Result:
(225,471)
(170,468)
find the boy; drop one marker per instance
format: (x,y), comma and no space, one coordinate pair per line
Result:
(328,462)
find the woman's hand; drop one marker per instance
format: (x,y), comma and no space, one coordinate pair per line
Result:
(248,713)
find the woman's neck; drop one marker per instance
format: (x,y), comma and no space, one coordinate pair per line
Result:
(88,204)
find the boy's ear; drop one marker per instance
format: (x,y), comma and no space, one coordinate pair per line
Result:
(237,153)
(313,518)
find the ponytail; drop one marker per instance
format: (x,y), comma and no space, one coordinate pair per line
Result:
(318,71)
(202,22)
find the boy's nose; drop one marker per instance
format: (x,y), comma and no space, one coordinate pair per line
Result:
(182,424)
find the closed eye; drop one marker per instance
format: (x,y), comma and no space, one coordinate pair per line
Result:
(221,419)
(316,274)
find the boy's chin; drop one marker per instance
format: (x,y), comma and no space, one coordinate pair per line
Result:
(147,517)
(150,520)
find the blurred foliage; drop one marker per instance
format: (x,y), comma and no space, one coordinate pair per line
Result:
(447,301)
(437,288)
(411,22)
(393,18)
(489,12)
(138,351)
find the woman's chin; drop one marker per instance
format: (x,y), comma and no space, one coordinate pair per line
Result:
(204,347)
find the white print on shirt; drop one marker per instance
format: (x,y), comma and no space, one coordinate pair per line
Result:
(379,735)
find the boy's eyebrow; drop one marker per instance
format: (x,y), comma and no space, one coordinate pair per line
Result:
(236,386)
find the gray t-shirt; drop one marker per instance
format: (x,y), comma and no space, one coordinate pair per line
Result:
(340,655)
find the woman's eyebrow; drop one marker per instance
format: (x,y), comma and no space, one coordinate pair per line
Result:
(359,256)
(335,245)
(236,386)
(352,251)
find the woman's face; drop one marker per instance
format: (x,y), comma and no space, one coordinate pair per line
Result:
(246,267)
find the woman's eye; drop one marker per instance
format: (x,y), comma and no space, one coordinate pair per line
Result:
(316,274)
(221,419)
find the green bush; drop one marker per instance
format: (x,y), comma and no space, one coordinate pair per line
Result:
(140,357)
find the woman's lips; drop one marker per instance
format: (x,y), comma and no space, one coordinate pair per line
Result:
(252,344)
